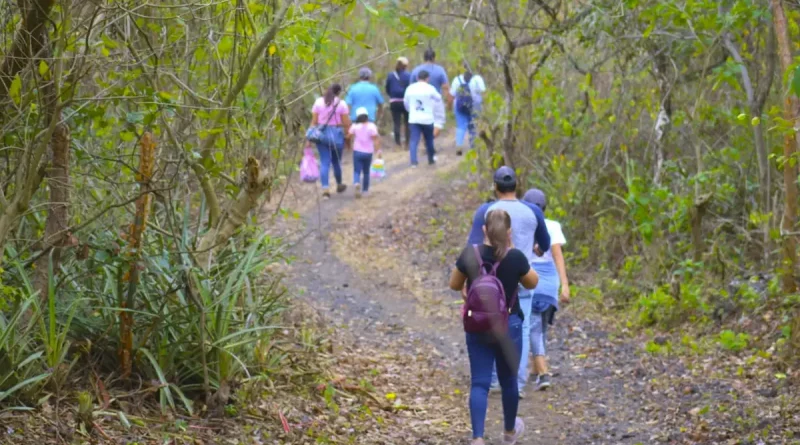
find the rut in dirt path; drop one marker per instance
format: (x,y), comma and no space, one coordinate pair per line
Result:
(592,402)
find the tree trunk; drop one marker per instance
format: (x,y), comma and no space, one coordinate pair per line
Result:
(257,182)
(56,235)
(789,149)
(29,40)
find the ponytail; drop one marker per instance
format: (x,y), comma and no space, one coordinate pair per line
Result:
(498,224)
(331,93)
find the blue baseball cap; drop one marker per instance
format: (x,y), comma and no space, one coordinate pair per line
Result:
(536,197)
(505,176)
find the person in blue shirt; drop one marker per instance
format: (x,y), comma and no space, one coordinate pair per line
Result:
(365,94)
(437,76)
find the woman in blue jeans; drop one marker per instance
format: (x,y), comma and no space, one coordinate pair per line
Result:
(333,114)
(487,348)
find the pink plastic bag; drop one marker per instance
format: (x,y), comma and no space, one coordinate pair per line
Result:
(309,168)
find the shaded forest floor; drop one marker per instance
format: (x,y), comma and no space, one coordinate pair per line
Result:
(375,353)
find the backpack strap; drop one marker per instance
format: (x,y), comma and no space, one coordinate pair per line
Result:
(479,258)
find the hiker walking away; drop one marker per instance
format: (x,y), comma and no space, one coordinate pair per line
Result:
(437,73)
(365,142)
(421,100)
(396,84)
(493,271)
(466,90)
(552,272)
(330,113)
(528,228)
(365,94)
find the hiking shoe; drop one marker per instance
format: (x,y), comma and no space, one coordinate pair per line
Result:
(459,153)
(341,188)
(521,393)
(543,382)
(358,191)
(326,194)
(519,429)
(414,165)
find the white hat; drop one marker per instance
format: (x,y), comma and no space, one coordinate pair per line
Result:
(361,111)
(403,60)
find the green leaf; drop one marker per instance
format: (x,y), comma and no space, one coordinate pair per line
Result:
(43,69)
(14,89)
(135,117)
(796,81)
(225,45)
(370,9)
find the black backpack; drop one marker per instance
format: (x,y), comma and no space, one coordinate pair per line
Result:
(464,97)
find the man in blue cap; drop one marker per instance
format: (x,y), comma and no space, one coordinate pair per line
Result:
(365,94)
(527,229)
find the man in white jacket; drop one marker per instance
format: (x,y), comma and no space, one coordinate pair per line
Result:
(425,110)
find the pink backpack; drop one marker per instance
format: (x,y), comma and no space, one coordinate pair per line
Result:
(309,168)
(486,309)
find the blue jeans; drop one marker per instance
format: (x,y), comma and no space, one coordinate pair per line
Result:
(484,351)
(525,302)
(331,155)
(464,125)
(361,163)
(419,131)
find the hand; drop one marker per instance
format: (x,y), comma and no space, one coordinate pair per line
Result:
(436,131)
(464,292)
(564,294)
(537,250)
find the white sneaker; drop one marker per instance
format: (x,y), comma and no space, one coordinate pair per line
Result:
(519,429)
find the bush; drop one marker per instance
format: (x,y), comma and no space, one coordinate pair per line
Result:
(732,341)
(193,329)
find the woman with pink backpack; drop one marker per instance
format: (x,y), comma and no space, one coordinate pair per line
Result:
(492,319)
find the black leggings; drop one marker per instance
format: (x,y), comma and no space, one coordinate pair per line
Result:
(400,117)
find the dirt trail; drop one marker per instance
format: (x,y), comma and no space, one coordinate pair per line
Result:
(378,267)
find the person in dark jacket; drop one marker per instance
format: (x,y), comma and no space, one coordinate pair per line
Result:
(396,85)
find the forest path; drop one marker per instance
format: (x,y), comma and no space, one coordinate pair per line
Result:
(378,267)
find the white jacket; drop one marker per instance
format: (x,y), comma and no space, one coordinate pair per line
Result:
(421,100)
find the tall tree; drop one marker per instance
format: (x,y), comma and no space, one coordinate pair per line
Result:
(789,150)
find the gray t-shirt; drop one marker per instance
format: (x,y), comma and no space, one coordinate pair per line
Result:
(523,224)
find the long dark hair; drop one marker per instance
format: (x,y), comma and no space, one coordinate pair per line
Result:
(331,93)
(498,223)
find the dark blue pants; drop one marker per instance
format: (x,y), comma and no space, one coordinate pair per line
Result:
(483,352)
(361,164)
(419,131)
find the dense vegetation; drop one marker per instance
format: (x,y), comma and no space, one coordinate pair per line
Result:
(139,140)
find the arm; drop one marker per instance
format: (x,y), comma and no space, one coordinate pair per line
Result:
(387,84)
(541,236)
(561,266)
(314,118)
(348,99)
(457,280)
(378,100)
(346,122)
(476,233)
(530,279)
